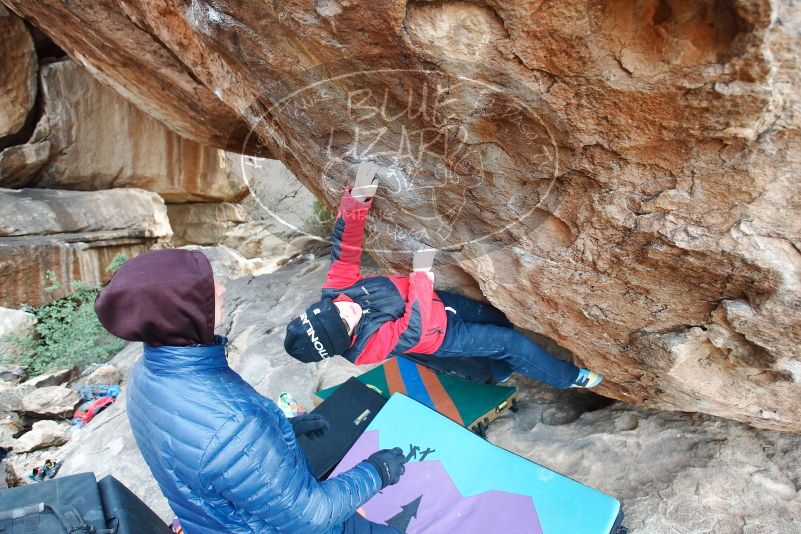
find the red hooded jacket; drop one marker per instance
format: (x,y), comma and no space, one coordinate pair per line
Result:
(400,314)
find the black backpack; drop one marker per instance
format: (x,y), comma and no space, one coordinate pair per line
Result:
(76,504)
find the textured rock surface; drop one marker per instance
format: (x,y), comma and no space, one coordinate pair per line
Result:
(621,178)
(103,375)
(98,140)
(228,264)
(29,212)
(18,65)
(12,372)
(204,223)
(44,434)
(277,209)
(278,200)
(108,438)
(74,234)
(10,427)
(10,398)
(58,377)
(230,225)
(49,402)
(254,240)
(20,163)
(13,323)
(176,96)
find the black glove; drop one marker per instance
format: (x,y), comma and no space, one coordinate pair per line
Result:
(311,425)
(389,464)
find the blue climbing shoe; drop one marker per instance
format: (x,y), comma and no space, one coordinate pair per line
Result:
(586,379)
(500,371)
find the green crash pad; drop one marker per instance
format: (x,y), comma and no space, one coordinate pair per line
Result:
(470,404)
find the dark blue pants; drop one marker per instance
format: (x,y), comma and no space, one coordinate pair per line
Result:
(479,329)
(356,524)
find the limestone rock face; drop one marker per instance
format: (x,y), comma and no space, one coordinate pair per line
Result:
(620,177)
(74,234)
(18,65)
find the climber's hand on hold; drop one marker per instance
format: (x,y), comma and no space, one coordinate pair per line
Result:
(423,261)
(366,182)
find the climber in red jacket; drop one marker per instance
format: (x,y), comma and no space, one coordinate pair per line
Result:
(368,319)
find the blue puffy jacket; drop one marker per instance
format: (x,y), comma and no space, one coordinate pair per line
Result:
(224,456)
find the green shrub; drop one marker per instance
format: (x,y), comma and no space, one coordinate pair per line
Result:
(67,331)
(320,222)
(116,262)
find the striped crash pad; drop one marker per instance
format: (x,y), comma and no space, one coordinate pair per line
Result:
(470,404)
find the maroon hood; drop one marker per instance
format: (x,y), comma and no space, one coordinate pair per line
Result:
(164,297)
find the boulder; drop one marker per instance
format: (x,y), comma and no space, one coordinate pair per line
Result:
(254,240)
(26,212)
(277,209)
(104,375)
(126,358)
(98,140)
(278,201)
(74,234)
(20,163)
(176,97)
(10,398)
(43,435)
(11,426)
(622,180)
(19,324)
(213,223)
(49,402)
(229,264)
(204,223)
(8,477)
(53,378)
(13,372)
(19,65)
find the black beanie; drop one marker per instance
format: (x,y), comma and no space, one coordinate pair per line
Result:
(318,333)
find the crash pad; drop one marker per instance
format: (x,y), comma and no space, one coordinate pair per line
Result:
(470,404)
(457,482)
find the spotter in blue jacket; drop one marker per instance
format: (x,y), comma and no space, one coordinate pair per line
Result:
(224,456)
